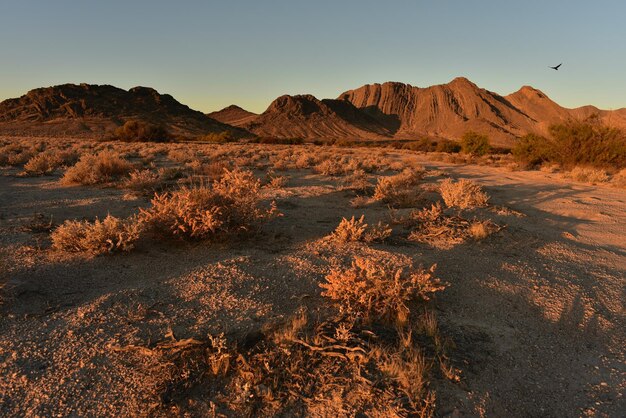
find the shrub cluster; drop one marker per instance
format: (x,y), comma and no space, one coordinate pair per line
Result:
(354,230)
(141,131)
(280,141)
(218,138)
(230,205)
(400,189)
(104,167)
(586,143)
(474,143)
(99,237)
(463,194)
(432,145)
(373,290)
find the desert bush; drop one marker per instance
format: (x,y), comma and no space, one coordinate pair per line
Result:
(142,180)
(354,230)
(400,189)
(43,163)
(378,233)
(588,175)
(475,144)
(141,131)
(588,143)
(445,145)
(20,157)
(275,181)
(481,229)
(372,289)
(279,141)
(433,227)
(104,167)
(230,205)
(330,167)
(342,365)
(100,237)
(463,194)
(180,155)
(358,180)
(531,150)
(350,230)
(218,138)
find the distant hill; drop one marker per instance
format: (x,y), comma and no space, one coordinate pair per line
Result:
(307,117)
(449,110)
(374,111)
(87,110)
(233,115)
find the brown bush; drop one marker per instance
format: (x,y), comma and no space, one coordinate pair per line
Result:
(433,227)
(105,167)
(100,237)
(400,189)
(230,205)
(462,194)
(354,230)
(142,180)
(141,131)
(372,289)
(44,163)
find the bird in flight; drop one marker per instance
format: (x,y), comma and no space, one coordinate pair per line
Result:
(557,67)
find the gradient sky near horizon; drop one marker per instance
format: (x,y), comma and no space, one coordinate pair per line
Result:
(209,54)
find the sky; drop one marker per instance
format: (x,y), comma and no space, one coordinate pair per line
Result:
(210,54)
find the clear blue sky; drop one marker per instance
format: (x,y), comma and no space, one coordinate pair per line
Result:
(209,54)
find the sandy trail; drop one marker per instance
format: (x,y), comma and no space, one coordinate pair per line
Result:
(536,311)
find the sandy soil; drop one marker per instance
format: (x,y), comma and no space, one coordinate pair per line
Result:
(536,311)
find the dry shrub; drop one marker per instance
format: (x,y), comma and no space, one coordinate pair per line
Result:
(588,175)
(230,205)
(100,237)
(354,230)
(433,227)
(401,189)
(20,157)
(275,181)
(105,167)
(181,155)
(330,167)
(360,201)
(374,290)
(463,194)
(358,180)
(334,367)
(42,164)
(481,229)
(350,230)
(142,180)
(378,233)
(305,160)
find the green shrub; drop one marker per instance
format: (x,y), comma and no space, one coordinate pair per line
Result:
(475,144)
(140,131)
(532,150)
(588,143)
(572,144)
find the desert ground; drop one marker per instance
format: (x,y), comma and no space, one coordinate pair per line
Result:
(530,324)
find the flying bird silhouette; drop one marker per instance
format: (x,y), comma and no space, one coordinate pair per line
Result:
(557,67)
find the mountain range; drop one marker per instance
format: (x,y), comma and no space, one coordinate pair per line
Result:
(390,110)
